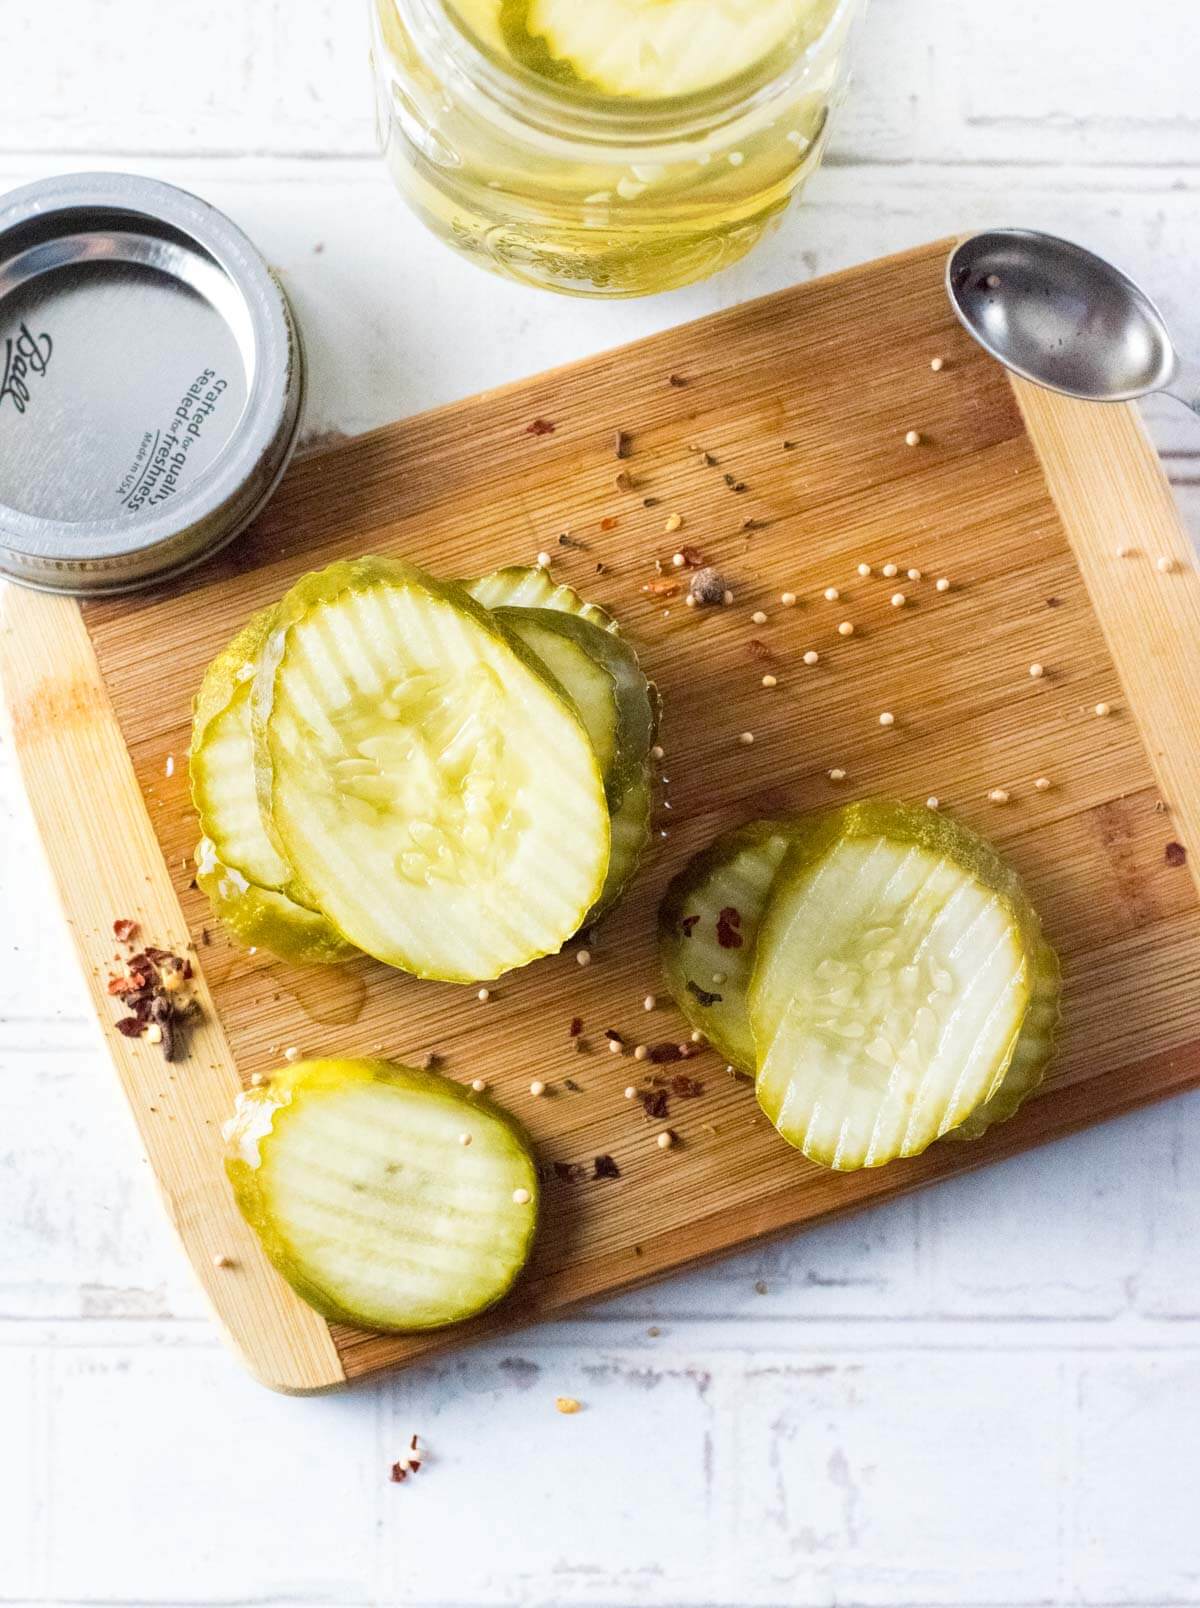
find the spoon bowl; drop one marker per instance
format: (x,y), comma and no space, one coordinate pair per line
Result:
(1060,316)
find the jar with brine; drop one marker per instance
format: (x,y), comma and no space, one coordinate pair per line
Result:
(606,147)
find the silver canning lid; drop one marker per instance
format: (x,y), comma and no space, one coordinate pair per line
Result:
(151,381)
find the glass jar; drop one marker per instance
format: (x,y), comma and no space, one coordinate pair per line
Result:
(656,173)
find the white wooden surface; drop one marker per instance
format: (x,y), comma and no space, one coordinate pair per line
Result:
(988,1395)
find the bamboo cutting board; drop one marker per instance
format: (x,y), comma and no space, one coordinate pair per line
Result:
(804,399)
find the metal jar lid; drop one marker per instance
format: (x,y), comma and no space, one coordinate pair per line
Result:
(151,381)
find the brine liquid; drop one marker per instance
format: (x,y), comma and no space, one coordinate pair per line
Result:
(605,215)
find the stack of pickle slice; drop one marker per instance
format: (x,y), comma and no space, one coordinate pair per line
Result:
(452,778)
(878,969)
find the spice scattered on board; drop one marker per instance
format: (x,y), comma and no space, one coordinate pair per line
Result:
(1176,854)
(540,427)
(152,985)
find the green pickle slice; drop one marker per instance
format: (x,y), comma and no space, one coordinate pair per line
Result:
(630,826)
(520,587)
(601,673)
(425,775)
(265,919)
(707,960)
(893,974)
(251,887)
(644,49)
(356,1178)
(221,762)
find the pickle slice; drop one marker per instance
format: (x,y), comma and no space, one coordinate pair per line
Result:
(221,763)
(517,587)
(653,48)
(893,974)
(630,834)
(265,919)
(358,1179)
(579,672)
(251,887)
(425,776)
(708,929)
(627,716)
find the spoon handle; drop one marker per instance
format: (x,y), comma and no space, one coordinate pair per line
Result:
(1185,386)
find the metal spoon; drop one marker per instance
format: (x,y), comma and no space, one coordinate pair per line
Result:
(1066,319)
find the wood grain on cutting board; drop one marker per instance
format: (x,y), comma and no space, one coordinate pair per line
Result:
(1022,501)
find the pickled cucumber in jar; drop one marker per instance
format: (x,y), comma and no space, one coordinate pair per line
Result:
(612,147)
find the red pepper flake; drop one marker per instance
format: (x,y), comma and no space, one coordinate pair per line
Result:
(686,923)
(576,1027)
(692,557)
(664,1054)
(621,443)
(605,1167)
(677,381)
(613,1036)
(568,1172)
(655,1104)
(663,588)
(758,649)
(728,923)
(124,929)
(686,1088)
(540,427)
(149,986)
(399,1473)
(608,522)
(1176,854)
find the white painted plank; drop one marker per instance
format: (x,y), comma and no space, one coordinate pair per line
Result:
(933,82)
(178,1479)
(1135,1463)
(22,1476)
(522,1505)
(1066,1229)
(915,1479)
